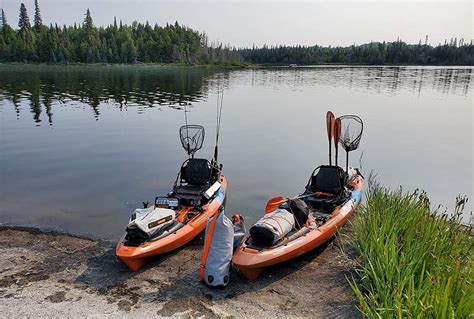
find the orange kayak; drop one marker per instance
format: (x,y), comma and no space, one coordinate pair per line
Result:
(252,259)
(192,222)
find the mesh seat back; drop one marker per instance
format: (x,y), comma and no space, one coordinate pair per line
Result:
(197,171)
(329,179)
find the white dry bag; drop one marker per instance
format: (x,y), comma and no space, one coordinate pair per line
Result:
(217,253)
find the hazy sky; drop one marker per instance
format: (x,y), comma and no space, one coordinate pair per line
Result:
(243,23)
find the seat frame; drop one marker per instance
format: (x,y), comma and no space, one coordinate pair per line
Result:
(328,201)
(184,190)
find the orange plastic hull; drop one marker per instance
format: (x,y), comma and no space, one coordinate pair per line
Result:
(252,262)
(136,257)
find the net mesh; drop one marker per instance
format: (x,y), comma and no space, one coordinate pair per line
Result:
(192,137)
(351,132)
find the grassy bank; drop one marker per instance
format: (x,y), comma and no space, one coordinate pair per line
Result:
(413,262)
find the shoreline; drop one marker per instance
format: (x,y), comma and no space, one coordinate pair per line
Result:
(53,274)
(230,66)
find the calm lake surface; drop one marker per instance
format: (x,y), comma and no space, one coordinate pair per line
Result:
(82,146)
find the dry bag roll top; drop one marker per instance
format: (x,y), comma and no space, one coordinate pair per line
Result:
(272,227)
(217,253)
(239,230)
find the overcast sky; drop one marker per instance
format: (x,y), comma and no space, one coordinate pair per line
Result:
(244,23)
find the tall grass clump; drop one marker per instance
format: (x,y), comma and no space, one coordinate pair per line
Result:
(413,261)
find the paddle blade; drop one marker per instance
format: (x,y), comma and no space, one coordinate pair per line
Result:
(337,132)
(330,124)
(330,128)
(274,203)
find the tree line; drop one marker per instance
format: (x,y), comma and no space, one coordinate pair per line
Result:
(453,52)
(175,43)
(115,43)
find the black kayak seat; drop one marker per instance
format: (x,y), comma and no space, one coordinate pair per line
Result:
(195,178)
(196,171)
(328,179)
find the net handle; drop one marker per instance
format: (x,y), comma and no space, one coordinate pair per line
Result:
(337,135)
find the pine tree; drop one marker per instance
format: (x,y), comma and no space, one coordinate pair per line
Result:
(24,21)
(91,40)
(88,23)
(38,21)
(25,50)
(4,20)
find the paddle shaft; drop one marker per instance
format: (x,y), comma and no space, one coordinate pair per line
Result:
(272,206)
(330,162)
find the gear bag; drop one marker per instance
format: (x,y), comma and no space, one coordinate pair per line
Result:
(272,227)
(301,211)
(148,222)
(218,248)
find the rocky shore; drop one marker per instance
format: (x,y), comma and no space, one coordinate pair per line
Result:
(49,275)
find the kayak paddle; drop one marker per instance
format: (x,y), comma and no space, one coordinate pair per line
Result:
(330,129)
(275,202)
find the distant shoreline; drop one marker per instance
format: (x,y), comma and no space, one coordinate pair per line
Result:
(237,66)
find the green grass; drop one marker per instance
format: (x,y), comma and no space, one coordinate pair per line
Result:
(413,262)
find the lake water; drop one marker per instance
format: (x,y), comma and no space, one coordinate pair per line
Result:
(82,146)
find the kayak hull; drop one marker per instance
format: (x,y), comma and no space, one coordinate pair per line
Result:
(136,257)
(251,262)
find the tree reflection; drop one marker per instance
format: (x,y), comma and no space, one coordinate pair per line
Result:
(43,87)
(124,86)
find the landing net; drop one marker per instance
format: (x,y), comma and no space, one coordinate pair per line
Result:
(192,137)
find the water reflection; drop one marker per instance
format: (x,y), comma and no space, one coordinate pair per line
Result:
(46,86)
(369,79)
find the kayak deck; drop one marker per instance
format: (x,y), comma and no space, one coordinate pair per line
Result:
(251,259)
(135,256)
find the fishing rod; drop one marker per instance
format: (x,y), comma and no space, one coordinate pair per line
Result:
(191,136)
(188,147)
(220,103)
